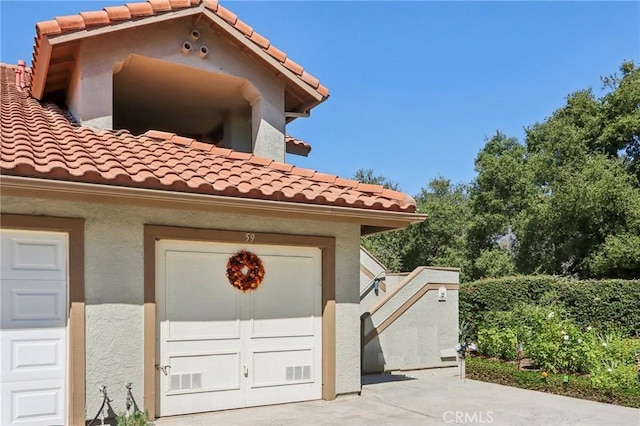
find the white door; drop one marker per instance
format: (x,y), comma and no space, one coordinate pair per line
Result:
(220,348)
(33,331)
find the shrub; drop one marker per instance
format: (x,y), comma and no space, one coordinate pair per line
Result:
(136,418)
(552,340)
(613,376)
(503,373)
(604,304)
(499,343)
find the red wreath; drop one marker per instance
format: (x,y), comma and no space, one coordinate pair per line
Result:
(245,271)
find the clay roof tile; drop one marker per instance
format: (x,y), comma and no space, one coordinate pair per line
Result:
(39,141)
(118,13)
(178,4)
(140,9)
(160,5)
(260,40)
(212,5)
(95,18)
(137,10)
(48,27)
(227,15)
(277,53)
(244,28)
(70,23)
(293,66)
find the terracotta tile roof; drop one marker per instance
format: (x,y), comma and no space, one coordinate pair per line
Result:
(297,146)
(135,11)
(40,140)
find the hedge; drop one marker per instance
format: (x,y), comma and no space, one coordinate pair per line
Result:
(507,373)
(598,303)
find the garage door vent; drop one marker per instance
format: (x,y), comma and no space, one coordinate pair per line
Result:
(186,381)
(298,372)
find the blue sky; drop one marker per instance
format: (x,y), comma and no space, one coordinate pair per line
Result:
(416,87)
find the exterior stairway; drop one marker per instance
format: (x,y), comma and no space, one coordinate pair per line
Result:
(409,320)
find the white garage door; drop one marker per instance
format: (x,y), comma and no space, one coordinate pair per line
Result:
(220,348)
(33,333)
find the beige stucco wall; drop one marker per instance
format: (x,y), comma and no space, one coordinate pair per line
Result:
(114,284)
(418,336)
(91,88)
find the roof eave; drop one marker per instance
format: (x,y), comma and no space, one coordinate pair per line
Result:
(315,97)
(47,43)
(369,219)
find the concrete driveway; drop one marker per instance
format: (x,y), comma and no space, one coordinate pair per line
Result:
(426,397)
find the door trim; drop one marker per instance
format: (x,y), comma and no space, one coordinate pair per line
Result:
(152,233)
(74,228)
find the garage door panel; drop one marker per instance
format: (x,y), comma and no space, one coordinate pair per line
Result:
(202,306)
(33,320)
(31,304)
(34,256)
(281,367)
(229,349)
(212,372)
(33,354)
(37,402)
(285,304)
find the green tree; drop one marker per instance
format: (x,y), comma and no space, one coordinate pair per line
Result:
(582,209)
(388,247)
(439,241)
(503,188)
(566,200)
(569,195)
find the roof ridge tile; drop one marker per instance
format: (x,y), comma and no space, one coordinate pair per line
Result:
(70,22)
(260,161)
(227,15)
(324,177)
(39,141)
(50,27)
(302,172)
(244,28)
(95,18)
(181,140)
(367,187)
(201,146)
(160,5)
(237,155)
(221,151)
(110,14)
(138,9)
(158,134)
(284,167)
(179,4)
(212,5)
(118,13)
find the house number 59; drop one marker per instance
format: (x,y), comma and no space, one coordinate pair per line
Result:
(249,237)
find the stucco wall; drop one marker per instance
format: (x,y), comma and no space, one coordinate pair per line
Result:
(114,284)
(90,100)
(415,339)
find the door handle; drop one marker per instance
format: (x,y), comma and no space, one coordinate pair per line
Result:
(245,370)
(163,368)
